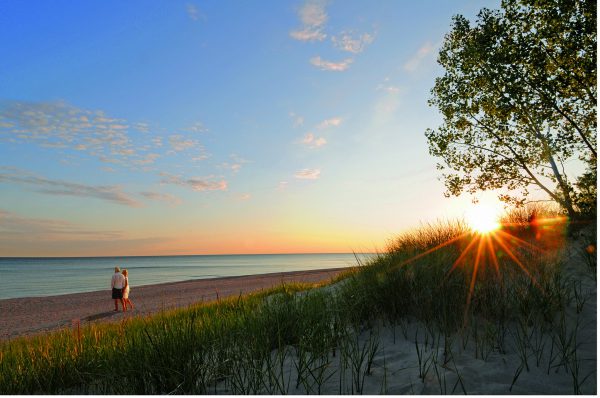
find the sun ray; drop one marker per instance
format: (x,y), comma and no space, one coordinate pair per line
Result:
(463,255)
(418,256)
(522,242)
(514,258)
(493,256)
(473,279)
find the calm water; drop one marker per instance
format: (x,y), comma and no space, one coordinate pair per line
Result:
(29,277)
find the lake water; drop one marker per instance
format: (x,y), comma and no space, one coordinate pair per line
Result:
(31,277)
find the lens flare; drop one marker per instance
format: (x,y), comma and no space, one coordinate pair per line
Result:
(483,219)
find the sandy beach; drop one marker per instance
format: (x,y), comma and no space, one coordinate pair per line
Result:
(35,315)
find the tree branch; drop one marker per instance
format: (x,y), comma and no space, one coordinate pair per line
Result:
(520,160)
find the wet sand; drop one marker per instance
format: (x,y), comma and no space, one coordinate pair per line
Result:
(36,315)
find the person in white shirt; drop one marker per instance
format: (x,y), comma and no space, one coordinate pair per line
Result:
(117,284)
(126,290)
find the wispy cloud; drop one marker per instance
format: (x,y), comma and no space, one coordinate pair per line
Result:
(297,120)
(313,142)
(162,197)
(111,140)
(331,66)
(313,17)
(194,13)
(332,122)
(388,88)
(111,193)
(320,142)
(197,127)
(308,174)
(282,185)
(14,226)
(235,165)
(54,237)
(202,155)
(141,127)
(62,126)
(243,197)
(196,183)
(415,61)
(180,143)
(348,41)
(148,159)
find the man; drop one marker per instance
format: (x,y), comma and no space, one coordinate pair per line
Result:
(117,283)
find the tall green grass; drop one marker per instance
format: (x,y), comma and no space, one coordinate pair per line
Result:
(250,344)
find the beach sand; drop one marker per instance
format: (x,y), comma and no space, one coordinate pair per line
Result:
(35,315)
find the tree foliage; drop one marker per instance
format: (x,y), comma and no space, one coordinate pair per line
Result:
(518,100)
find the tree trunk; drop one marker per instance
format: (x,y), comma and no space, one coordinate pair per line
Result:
(566,202)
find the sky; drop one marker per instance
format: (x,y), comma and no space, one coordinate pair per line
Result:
(218,127)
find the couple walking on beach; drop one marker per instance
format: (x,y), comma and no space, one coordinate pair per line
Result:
(120,289)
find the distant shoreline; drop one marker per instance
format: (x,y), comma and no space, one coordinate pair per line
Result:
(43,277)
(179,255)
(38,315)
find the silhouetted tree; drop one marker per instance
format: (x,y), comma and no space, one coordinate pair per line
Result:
(518,99)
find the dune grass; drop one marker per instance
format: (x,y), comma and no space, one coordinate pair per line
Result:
(250,344)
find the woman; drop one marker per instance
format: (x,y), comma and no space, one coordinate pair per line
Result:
(126,291)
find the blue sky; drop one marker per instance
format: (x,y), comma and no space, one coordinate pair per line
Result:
(192,127)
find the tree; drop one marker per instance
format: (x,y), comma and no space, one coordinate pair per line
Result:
(518,99)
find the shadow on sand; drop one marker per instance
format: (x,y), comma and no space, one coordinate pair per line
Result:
(101,315)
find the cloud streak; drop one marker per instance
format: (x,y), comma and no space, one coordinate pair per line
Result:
(162,197)
(332,122)
(198,184)
(331,66)
(111,193)
(13,226)
(415,61)
(308,174)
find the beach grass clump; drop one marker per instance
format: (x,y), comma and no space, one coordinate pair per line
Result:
(438,291)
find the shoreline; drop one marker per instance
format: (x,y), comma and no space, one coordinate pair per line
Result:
(26,316)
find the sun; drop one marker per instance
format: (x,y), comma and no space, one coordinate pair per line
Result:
(483,218)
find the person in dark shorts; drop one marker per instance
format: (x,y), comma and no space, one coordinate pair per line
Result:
(118,283)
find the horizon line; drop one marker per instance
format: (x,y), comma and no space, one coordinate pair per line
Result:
(183,255)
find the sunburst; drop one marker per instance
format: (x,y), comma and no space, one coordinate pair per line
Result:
(489,238)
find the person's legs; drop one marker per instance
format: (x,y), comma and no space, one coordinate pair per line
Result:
(116,305)
(123,305)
